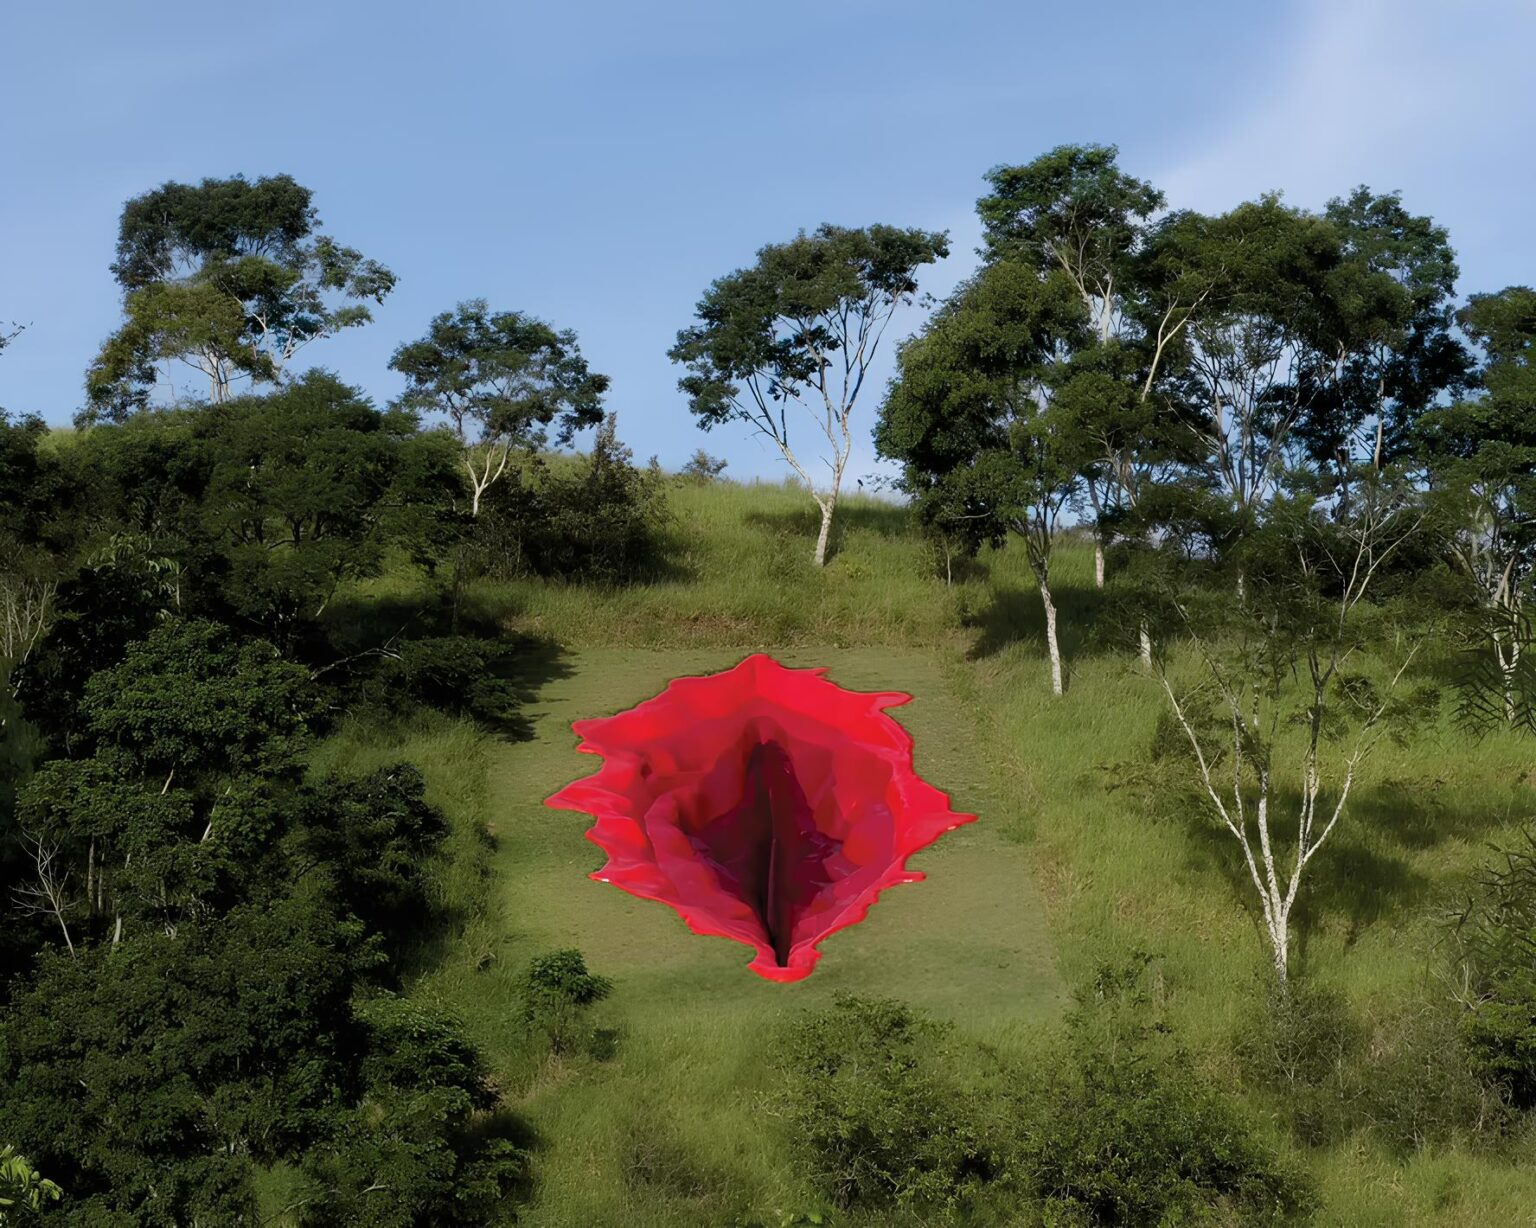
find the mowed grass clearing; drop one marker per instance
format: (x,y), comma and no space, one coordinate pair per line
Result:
(695,1027)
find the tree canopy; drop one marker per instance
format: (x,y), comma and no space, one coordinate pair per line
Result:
(230,278)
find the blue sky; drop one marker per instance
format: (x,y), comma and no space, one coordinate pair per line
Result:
(598,164)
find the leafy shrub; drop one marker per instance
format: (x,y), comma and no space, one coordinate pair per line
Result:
(421,1147)
(412,1045)
(601,522)
(452,673)
(410,1159)
(1132,1135)
(702,468)
(1303,1044)
(873,1109)
(1496,945)
(1419,1085)
(557,991)
(374,836)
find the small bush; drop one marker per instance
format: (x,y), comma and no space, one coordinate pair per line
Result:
(1418,1083)
(1131,1134)
(557,991)
(702,468)
(874,1111)
(1303,1045)
(452,673)
(1496,949)
(601,522)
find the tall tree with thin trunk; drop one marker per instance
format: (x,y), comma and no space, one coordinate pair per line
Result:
(972,417)
(1297,679)
(1075,211)
(1392,352)
(801,328)
(501,379)
(1481,458)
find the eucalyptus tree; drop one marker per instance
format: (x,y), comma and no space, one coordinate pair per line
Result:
(1247,370)
(1074,211)
(1289,683)
(230,278)
(972,417)
(1481,457)
(501,379)
(1394,353)
(802,327)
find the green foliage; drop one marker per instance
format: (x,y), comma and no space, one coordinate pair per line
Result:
(22,1185)
(702,468)
(305,490)
(879,1119)
(983,452)
(1304,1044)
(770,332)
(372,838)
(97,613)
(228,277)
(1074,201)
(451,673)
(413,1047)
(191,697)
(1496,949)
(557,992)
(1133,1135)
(601,521)
(141,1074)
(1419,1081)
(410,1160)
(500,376)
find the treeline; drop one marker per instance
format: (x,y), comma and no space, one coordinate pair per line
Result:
(205,943)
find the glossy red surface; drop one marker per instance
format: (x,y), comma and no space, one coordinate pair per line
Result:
(764,804)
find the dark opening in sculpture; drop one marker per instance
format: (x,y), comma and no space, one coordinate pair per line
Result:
(764,804)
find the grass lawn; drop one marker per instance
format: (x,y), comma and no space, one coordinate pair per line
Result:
(1072,861)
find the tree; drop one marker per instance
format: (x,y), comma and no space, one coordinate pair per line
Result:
(1286,651)
(972,419)
(305,490)
(702,468)
(193,699)
(1394,352)
(229,278)
(802,325)
(1481,455)
(35,530)
(557,992)
(1074,211)
(9,332)
(1248,361)
(500,379)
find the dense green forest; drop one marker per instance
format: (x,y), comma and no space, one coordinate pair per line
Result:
(1208,570)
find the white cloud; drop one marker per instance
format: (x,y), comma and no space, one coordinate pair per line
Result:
(1429,96)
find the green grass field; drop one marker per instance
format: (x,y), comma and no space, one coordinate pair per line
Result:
(1070,862)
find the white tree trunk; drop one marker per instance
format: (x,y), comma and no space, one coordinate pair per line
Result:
(828,506)
(1052,646)
(1146,645)
(1098,562)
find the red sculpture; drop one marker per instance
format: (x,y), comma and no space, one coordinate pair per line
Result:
(764,804)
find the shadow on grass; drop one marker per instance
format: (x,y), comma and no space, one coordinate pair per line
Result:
(888,520)
(1014,613)
(1355,881)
